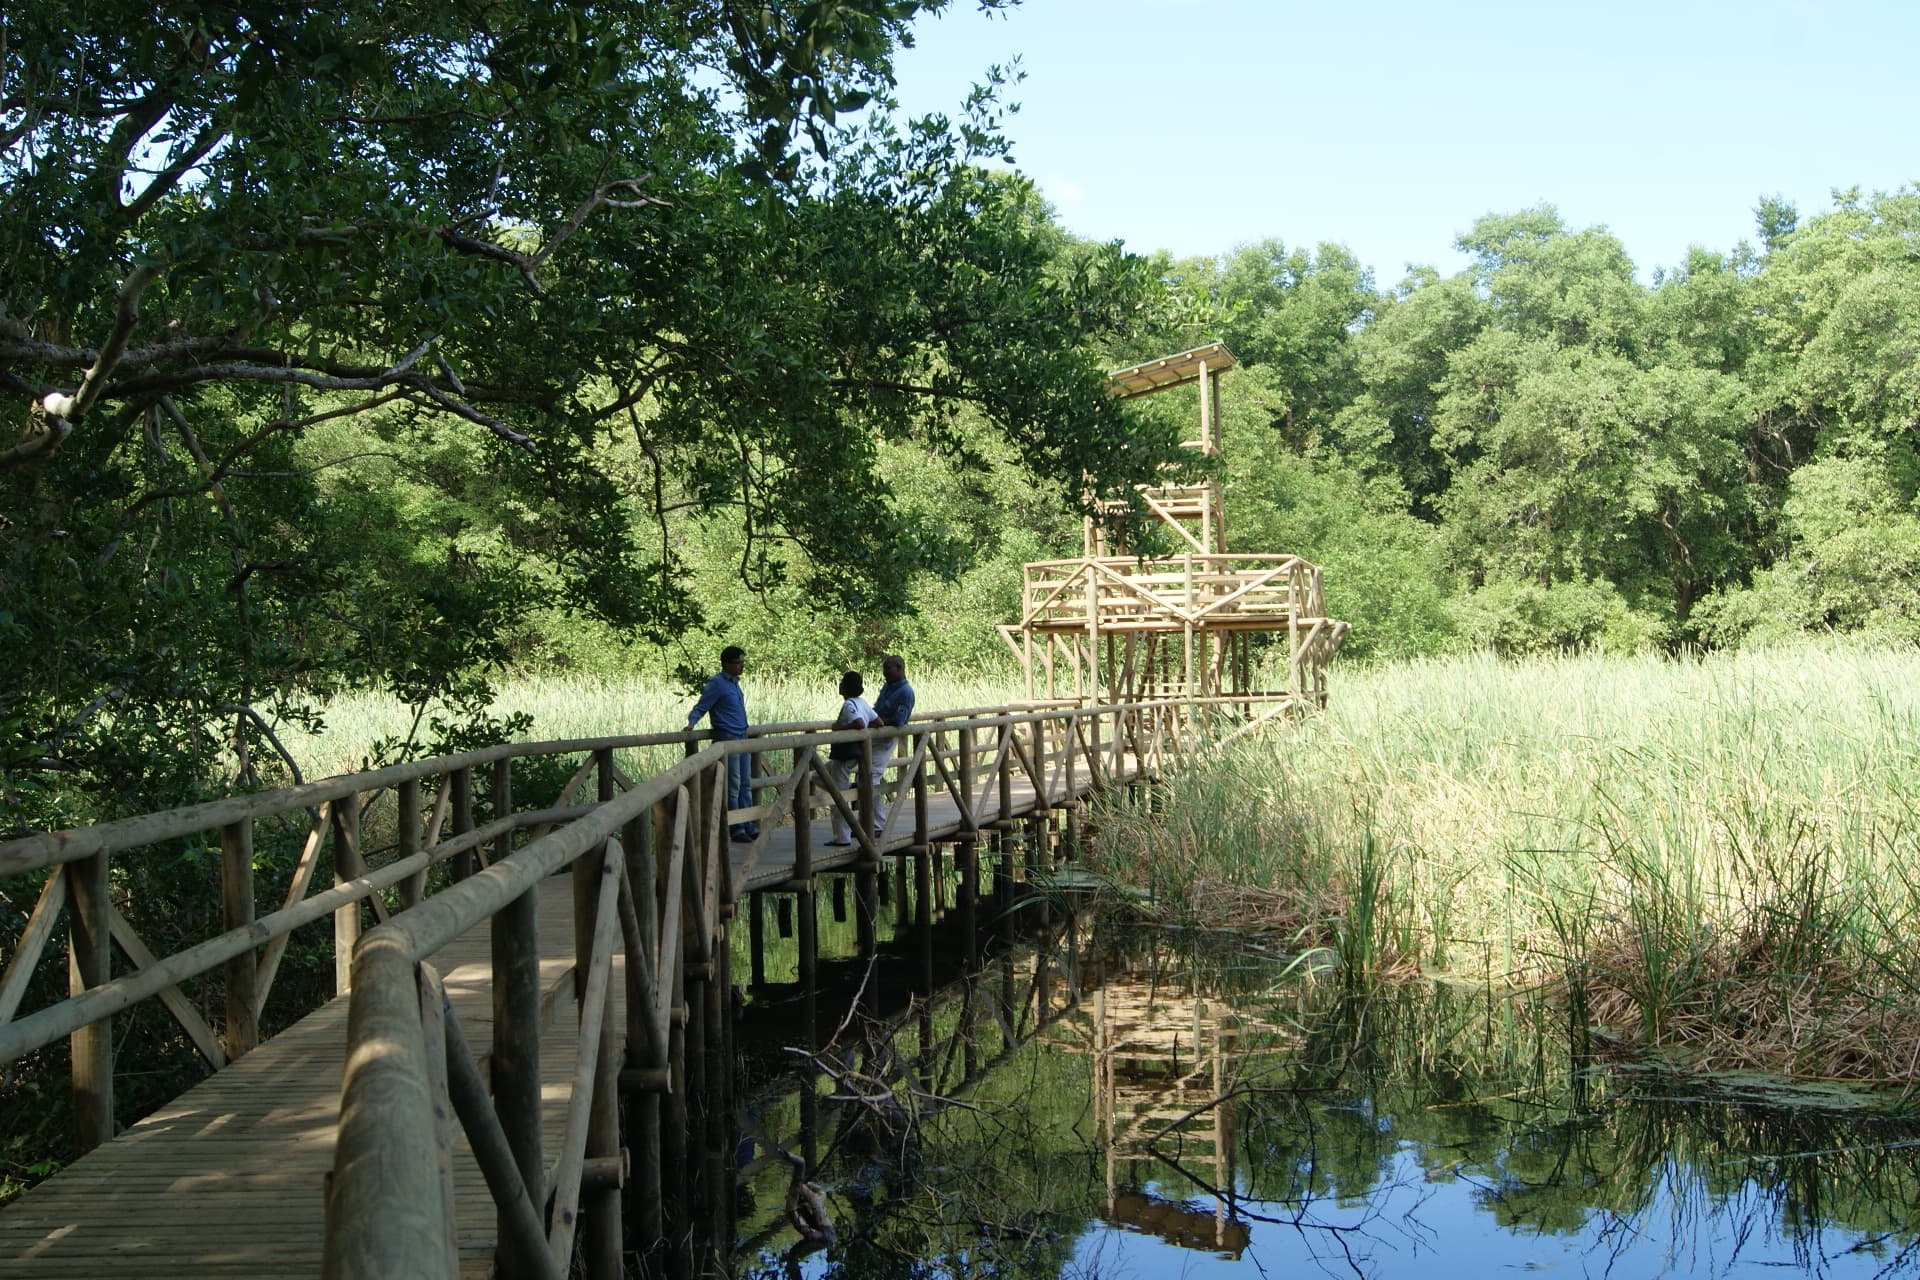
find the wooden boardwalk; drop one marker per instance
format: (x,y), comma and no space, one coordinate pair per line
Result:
(229,1178)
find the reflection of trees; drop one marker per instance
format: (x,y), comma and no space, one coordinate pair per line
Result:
(947,1137)
(1487,1095)
(1183,1094)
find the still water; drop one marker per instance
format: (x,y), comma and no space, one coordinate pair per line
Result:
(1116,1103)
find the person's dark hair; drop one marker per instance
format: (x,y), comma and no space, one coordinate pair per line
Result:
(852,683)
(731,652)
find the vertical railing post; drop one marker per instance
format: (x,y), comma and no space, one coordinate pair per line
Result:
(969,819)
(600,1200)
(803,817)
(642,1208)
(922,804)
(462,784)
(414,887)
(89,964)
(864,797)
(1005,753)
(347,865)
(236,912)
(515,1062)
(1042,797)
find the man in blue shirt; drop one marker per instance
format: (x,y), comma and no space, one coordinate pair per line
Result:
(894,707)
(722,699)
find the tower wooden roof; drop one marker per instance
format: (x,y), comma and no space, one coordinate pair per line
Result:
(1171,371)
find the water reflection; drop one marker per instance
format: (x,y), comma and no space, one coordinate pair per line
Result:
(1114,1103)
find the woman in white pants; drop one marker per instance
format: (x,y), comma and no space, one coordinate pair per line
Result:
(844,757)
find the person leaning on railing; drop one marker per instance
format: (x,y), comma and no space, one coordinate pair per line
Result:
(723,700)
(894,707)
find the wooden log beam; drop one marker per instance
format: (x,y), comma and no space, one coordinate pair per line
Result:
(236,912)
(32,941)
(383,1210)
(493,1154)
(89,969)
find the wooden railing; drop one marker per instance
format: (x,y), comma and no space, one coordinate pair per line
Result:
(654,878)
(1121,593)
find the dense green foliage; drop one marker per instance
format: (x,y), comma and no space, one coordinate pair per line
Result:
(388,346)
(1542,452)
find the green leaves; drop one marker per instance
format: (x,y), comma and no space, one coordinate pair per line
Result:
(463,317)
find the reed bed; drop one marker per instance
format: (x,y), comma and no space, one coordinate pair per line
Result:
(1714,859)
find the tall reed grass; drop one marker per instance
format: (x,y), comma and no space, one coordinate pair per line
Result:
(1713,857)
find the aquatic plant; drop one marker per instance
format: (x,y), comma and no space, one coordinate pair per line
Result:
(1714,858)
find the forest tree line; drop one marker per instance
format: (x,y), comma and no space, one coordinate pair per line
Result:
(404,347)
(1541,452)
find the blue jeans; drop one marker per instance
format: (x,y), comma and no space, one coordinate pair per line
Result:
(740,790)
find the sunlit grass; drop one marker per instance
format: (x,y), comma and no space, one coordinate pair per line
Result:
(1713,854)
(574,707)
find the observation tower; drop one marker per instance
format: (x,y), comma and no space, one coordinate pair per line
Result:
(1203,624)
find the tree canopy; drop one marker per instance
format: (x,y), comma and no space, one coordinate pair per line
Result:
(336,341)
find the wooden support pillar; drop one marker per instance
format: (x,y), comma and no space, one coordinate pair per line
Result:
(675,1208)
(923,914)
(922,801)
(698,1102)
(346,866)
(867,908)
(808,949)
(1040,861)
(515,1060)
(236,912)
(902,904)
(1004,841)
(90,964)
(967,853)
(756,940)
(716,1151)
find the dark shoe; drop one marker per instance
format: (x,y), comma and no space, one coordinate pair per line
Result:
(838,844)
(743,837)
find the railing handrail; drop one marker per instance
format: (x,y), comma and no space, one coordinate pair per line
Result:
(54,848)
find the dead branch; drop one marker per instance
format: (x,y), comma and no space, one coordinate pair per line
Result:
(266,731)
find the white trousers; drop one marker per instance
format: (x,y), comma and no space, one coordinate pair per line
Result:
(842,772)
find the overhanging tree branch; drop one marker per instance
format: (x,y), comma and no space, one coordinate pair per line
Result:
(58,413)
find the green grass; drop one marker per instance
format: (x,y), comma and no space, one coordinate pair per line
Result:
(1716,857)
(576,707)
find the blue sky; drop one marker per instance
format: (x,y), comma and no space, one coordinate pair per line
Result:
(1390,127)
